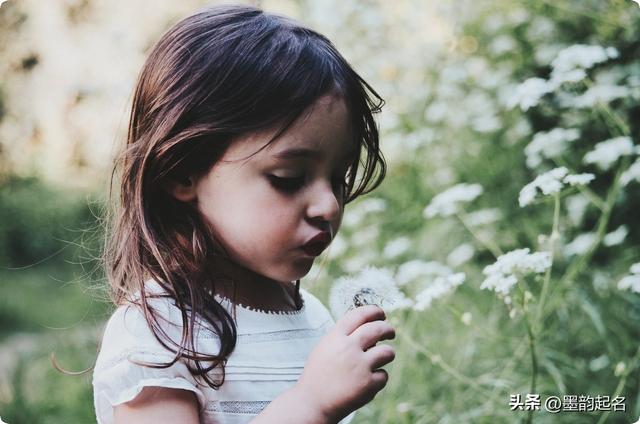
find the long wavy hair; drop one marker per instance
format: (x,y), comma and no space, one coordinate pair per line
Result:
(223,72)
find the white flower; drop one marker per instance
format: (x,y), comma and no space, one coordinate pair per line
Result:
(579,179)
(448,202)
(580,245)
(466,318)
(484,216)
(576,207)
(607,152)
(601,93)
(528,93)
(436,289)
(551,182)
(502,275)
(397,247)
(631,282)
(615,237)
(548,183)
(411,270)
(572,76)
(403,407)
(460,255)
(631,174)
(549,144)
(370,286)
(581,56)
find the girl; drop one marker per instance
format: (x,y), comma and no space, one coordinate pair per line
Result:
(246,134)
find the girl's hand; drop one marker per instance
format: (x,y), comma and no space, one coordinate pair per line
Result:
(341,373)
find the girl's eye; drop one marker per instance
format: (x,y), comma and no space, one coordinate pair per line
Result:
(286,184)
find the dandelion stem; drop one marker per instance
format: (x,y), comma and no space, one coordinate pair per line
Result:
(494,249)
(621,383)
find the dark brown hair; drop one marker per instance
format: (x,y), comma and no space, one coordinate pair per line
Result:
(218,74)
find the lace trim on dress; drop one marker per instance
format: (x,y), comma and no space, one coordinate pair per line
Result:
(262,311)
(253,407)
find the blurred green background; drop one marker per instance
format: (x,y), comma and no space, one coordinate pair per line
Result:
(447,71)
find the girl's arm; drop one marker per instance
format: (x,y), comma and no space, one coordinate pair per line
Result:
(159,405)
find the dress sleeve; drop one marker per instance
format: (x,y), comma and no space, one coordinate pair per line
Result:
(127,336)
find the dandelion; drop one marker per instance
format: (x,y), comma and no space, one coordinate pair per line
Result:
(616,237)
(632,281)
(436,289)
(502,275)
(528,93)
(448,202)
(371,286)
(607,152)
(549,145)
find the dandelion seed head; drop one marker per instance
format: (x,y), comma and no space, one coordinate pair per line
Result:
(371,286)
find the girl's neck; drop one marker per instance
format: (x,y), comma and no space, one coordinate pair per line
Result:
(248,288)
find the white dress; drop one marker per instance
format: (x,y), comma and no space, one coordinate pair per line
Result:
(270,354)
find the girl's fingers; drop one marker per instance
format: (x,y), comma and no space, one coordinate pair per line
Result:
(370,333)
(358,316)
(380,378)
(379,356)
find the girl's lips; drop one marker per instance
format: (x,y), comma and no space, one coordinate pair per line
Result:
(314,249)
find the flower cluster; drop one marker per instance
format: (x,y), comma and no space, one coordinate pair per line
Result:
(448,202)
(632,281)
(551,182)
(607,152)
(549,145)
(502,275)
(436,289)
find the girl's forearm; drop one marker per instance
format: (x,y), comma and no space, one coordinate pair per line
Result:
(292,407)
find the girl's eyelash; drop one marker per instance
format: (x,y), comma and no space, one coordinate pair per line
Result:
(292,184)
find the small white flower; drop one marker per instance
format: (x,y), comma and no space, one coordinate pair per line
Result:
(601,93)
(607,152)
(528,93)
(436,289)
(460,255)
(580,245)
(502,275)
(548,183)
(619,369)
(371,286)
(403,407)
(484,216)
(414,269)
(448,202)
(579,179)
(615,237)
(549,145)
(631,174)
(397,247)
(581,56)
(632,281)
(466,318)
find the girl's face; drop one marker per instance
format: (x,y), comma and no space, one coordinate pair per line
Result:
(265,208)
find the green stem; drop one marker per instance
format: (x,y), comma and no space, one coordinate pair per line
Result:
(532,351)
(621,383)
(555,235)
(494,249)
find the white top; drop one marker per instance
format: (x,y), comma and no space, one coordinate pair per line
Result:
(270,354)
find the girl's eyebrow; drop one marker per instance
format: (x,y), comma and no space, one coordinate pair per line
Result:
(297,152)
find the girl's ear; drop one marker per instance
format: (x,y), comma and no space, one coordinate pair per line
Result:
(183,189)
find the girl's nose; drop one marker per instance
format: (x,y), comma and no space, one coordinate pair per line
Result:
(324,204)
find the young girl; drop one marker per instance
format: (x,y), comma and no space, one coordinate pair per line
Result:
(246,134)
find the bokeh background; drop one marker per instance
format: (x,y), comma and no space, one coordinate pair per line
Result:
(450,73)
